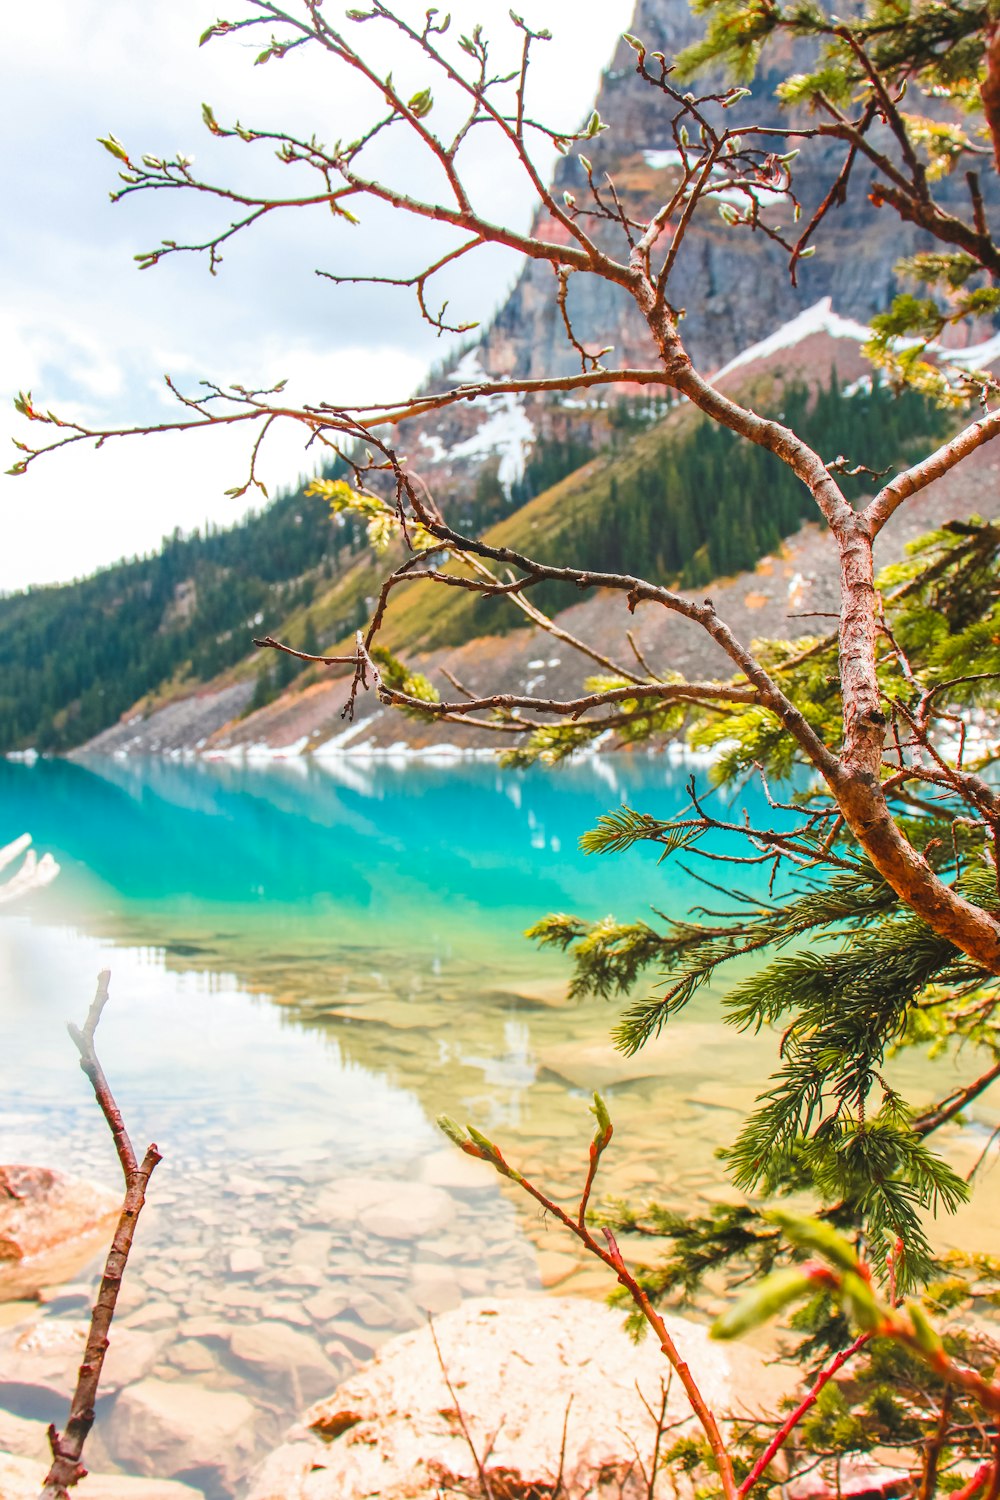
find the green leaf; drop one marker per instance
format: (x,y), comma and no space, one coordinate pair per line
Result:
(768,1298)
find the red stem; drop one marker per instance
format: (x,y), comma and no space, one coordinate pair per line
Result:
(795,1417)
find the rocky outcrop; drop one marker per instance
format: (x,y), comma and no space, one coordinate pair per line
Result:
(185,723)
(535,1387)
(734,284)
(50,1225)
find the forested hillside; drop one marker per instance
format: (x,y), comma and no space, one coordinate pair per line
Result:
(671,496)
(77,656)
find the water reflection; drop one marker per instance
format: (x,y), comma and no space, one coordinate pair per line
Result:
(310,961)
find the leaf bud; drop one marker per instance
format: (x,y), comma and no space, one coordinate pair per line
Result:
(763,1302)
(452,1130)
(926,1336)
(113,144)
(600,1112)
(421,104)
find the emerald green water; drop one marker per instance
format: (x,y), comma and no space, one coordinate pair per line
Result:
(309,962)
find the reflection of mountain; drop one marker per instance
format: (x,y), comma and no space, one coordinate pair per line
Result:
(434,850)
(384,917)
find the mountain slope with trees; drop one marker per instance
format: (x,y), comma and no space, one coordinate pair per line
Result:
(78,657)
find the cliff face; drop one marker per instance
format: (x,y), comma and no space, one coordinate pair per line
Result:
(733,283)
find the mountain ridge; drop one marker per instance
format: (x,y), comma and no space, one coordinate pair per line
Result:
(796,580)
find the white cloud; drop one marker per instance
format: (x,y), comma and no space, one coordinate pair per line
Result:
(92,337)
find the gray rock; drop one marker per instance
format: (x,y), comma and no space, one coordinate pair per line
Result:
(390,1210)
(45,1356)
(245,1260)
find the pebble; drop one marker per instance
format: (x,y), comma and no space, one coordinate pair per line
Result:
(245,1260)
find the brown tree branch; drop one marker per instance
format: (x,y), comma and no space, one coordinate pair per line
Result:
(67,1446)
(948,1108)
(795,1416)
(990,89)
(891,496)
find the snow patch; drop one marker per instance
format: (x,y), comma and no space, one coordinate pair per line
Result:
(820,318)
(337,742)
(660,160)
(469,369)
(507,432)
(438,451)
(797,585)
(976,356)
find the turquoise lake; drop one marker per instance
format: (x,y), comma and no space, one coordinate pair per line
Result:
(310,960)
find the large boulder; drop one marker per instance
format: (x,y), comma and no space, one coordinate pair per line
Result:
(50,1225)
(536,1384)
(22,1479)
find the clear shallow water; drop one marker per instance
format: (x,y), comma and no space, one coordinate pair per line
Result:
(309,963)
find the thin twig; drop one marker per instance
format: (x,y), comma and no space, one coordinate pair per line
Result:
(483,1480)
(67,1446)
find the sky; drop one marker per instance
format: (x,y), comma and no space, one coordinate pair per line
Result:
(92,336)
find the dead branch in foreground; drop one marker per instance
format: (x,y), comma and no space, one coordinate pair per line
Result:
(67,1446)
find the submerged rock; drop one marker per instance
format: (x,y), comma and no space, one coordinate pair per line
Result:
(22,1479)
(531,1380)
(388,1208)
(281,1355)
(44,1357)
(177,1428)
